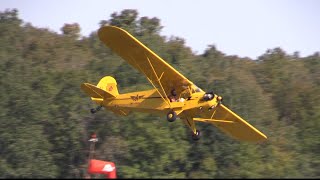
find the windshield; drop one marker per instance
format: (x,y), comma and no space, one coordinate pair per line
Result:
(196,89)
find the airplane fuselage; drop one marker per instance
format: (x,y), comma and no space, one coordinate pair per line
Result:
(150,101)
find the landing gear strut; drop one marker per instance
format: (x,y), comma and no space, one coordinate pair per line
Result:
(94,110)
(171,116)
(196,136)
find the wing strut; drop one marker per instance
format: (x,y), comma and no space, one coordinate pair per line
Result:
(165,100)
(212,120)
(158,79)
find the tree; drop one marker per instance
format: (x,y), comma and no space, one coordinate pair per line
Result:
(45,121)
(71,30)
(127,19)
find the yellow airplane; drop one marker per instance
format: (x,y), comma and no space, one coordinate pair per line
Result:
(173,94)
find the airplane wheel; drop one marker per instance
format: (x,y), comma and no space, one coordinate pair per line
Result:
(93,111)
(196,136)
(171,116)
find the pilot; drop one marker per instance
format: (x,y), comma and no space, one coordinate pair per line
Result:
(173,95)
(172,98)
(173,92)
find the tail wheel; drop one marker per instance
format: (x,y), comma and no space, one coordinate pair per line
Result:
(171,116)
(196,136)
(93,111)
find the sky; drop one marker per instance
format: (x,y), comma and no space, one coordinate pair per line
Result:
(246,28)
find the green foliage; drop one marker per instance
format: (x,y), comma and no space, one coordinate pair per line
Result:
(71,30)
(45,122)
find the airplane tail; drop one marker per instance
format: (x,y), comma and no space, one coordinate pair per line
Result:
(109,85)
(106,88)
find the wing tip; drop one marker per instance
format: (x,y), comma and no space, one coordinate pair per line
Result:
(261,139)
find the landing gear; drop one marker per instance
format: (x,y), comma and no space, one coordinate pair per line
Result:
(94,110)
(171,116)
(196,136)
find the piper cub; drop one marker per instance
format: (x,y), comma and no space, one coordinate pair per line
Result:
(173,94)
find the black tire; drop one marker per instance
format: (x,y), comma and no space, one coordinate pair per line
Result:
(196,136)
(93,111)
(98,108)
(171,116)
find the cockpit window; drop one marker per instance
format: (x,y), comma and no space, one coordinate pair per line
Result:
(197,90)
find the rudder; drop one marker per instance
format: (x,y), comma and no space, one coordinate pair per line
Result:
(106,88)
(109,84)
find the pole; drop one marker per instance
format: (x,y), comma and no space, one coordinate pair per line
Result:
(93,141)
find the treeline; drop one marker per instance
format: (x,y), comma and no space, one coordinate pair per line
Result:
(45,122)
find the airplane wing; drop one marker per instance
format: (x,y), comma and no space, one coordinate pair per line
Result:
(158,72)
(233,125)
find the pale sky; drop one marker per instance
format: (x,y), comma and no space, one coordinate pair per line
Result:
(246,28)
